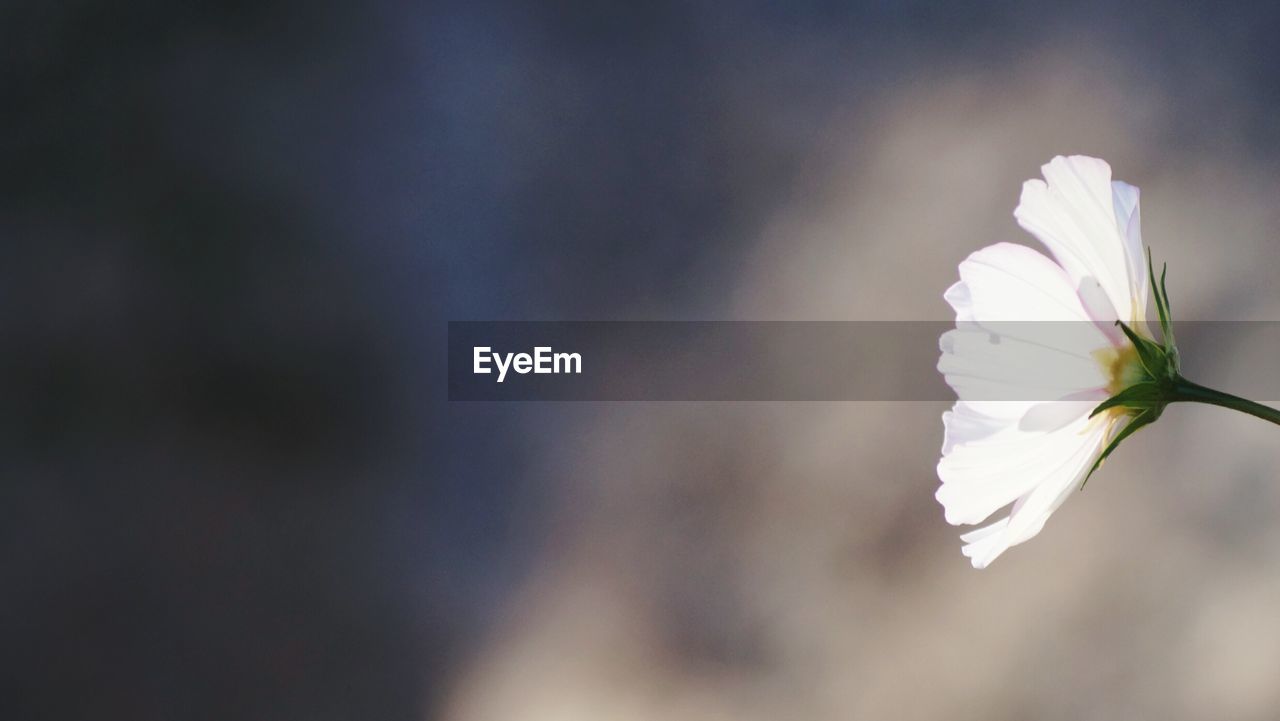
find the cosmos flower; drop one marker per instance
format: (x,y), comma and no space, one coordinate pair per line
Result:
(1021,434)
(1052,359)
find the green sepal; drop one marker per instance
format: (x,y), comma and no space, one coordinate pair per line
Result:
(1145,418)
(1161,293)
(1151,355)
(1139,396)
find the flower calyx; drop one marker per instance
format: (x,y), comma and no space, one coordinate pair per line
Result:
(1156,373)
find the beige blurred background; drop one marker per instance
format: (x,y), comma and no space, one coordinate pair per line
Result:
(234,234)
(788,561)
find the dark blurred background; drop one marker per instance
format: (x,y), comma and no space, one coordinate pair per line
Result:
(234,232)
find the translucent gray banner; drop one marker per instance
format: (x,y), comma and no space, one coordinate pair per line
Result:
(825,360)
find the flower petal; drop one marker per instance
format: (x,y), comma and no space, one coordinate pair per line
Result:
(1022,332)
(1006,282)
(966,424)
(985,366)
(1062,477)
(1129,221)
(983,476)
(986,542)
(1085,221)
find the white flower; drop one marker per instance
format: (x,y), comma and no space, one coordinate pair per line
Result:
(1021,431)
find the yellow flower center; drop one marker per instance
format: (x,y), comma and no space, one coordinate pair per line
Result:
(1121,366)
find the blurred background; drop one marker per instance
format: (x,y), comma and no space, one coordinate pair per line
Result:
(233,233)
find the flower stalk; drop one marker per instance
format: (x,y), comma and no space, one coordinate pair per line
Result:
(1184,390)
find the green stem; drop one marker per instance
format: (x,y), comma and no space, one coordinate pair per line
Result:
(1185,390)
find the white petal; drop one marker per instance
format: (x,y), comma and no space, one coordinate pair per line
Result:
(1013,283)
(1022,332)
(985,543)
(1074,213)
(1051,416)
(983,366)
(966,424)
(1129,221)
(979,478)
(1030,512)
(961,301)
